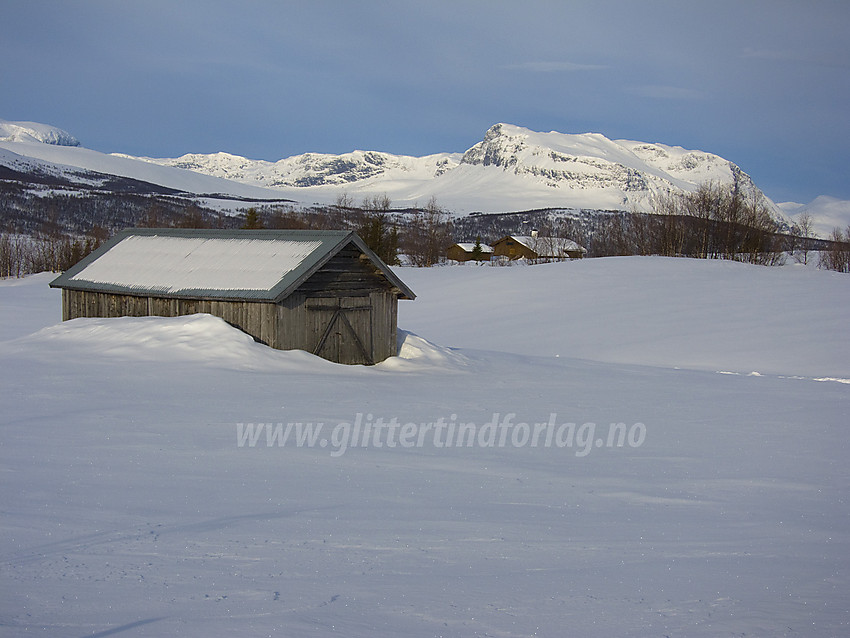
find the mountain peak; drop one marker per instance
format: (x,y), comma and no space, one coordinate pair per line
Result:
(588,167)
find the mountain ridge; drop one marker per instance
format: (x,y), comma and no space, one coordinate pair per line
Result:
(511,169)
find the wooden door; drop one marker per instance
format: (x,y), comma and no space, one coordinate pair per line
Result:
(341,328)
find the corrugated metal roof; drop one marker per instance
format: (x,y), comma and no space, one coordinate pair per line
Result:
(175,264)
(470,246)
(261,265)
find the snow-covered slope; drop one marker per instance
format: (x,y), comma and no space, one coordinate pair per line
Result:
(35,132)
(136,499)
(668,312)
(827,213)
(66,161)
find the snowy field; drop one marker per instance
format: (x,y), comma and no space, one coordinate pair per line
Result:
(141,496)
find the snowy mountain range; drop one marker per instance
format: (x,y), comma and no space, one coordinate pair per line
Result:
(510,169)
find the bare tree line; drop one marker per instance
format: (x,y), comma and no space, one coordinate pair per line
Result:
(422,235)
(22,255)
(837,256)
(711,223)
(714,222)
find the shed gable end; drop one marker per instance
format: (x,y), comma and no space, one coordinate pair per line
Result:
(349,272)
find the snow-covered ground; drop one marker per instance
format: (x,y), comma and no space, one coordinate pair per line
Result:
(140,496)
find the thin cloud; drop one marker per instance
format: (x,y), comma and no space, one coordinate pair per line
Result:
(554,67)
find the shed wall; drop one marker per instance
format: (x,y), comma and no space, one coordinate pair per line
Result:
(513,249)
(457,254)
(258,319)
(371,314)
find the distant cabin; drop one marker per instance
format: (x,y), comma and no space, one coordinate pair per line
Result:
(538,248)
(320,291)
(464,251)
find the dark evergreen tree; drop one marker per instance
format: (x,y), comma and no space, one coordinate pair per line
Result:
(252,220)
(477,251)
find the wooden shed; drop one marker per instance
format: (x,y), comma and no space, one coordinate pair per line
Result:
(320,291)
(465,251)
(538,248)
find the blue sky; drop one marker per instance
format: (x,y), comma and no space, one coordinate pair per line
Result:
(765,84)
